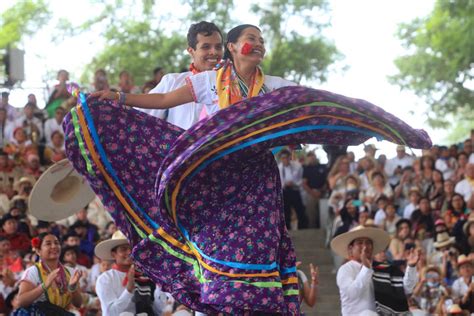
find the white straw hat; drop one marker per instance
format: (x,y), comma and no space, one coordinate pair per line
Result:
(379,237)
(59,193)
(104,248)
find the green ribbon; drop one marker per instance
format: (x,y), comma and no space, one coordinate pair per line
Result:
(77,132)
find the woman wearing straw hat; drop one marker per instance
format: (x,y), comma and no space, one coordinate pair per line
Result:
(216,213)
(121,289)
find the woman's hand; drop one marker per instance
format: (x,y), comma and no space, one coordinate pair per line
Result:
(314,274)
(51,277)
(74,280)
(105,95)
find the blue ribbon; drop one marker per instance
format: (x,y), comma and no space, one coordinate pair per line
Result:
(108,166)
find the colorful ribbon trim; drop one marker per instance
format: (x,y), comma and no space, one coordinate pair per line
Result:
(80,141)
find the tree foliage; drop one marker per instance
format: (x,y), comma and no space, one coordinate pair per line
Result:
(296,54)
(439,65)
(137,38)
(24,18)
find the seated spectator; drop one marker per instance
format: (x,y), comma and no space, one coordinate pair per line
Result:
(55,151)
(73,240)
(10,259)
(466,187)
(381,203)
(48,287)
(378,187)
(435,192)
(96,270)
(423,221)
(59,95)
(54,124)
(110,229)
(350,189)
(389,223)
(33,168)
(126,83)
(18,241)
(456,212)
(397,244)
(32,126)
(445,256)
(92,233)
(463,287)
(429,291)
(445,164)
(448,193)
(367,166)
(6,128)
(394,166)
(11,110)
(338,173)
(69,259)
(348,217)
(462,161)
(402,190)
(415,197)
(19,146)
(425,176)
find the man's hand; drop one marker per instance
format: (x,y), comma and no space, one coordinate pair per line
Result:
(413,257)
(131,279)
(366,261)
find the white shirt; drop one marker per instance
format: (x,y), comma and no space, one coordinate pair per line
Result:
(32,275)
(50,126)
(409,209)
(471,158)
(204,90)
(464,188)
(379,217)
(356,289)
(184,115)
(392,164)
(459,288)
(12,112)
(293,172)
(443,166)
(19,123)
(114,297)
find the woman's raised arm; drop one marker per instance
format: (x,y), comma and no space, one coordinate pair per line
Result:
(150,101)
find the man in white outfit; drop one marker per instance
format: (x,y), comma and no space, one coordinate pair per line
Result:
(205,45)
(355,277)
(121,290)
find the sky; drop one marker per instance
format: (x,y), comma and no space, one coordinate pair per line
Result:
(362,30)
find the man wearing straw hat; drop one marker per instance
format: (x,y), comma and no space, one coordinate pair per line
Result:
(354,278)
(123,291)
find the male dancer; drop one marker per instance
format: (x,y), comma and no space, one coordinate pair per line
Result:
(205,45)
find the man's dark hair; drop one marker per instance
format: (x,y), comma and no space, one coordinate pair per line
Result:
(5,94)
(204,28)
(157,70)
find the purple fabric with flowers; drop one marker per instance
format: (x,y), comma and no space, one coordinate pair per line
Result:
(226,186)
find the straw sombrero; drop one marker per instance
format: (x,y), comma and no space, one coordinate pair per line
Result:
(104,248)
(59,193)
(443,240)
(379,237)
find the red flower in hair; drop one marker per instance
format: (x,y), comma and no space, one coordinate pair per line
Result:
(35,242)
(246,49)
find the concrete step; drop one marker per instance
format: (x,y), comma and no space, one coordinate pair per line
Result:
(310,248)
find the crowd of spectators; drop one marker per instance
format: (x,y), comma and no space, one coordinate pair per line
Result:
(31,140)
(424,202)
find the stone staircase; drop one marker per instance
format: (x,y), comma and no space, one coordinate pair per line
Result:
(310,248)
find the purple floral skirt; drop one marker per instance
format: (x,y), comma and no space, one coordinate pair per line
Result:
(203,207)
